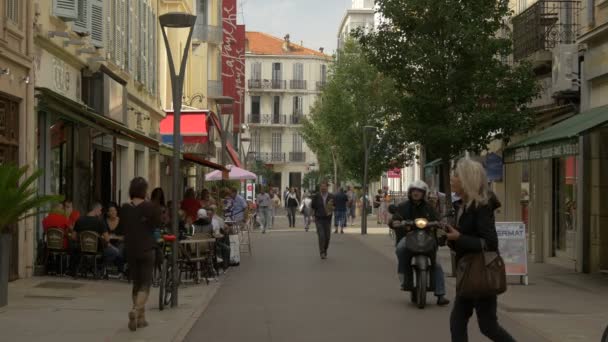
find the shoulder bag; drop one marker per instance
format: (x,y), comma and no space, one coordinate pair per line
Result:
(481,274)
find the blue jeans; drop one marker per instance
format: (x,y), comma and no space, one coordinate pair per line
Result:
(404,268)
(111,255)
(340,219)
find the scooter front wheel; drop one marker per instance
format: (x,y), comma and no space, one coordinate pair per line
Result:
(421,289)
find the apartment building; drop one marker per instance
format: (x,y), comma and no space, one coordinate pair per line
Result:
(360,15)
(284,80)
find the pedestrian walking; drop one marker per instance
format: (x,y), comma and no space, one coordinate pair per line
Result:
(475,233)
(140,218)
(352,205)
(264,203)
(292,207)
(307,211)
(377,205)
(276,204)
(340,202)
(323,207)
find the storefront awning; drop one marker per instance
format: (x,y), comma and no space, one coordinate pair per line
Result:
(558,140)
(203,162)
(51,101)
(193,127)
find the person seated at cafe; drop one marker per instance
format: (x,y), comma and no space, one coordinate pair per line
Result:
(190,205)
(112,221)
(222,240)
(69,212)
(202,225)
(92,222)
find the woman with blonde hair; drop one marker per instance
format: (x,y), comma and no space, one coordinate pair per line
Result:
(475,232)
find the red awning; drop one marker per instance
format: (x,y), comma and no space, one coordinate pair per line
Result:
(204,162)
(193,127)
(233,155)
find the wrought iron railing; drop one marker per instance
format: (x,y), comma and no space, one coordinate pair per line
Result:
(296,119)
(321,85)
(266,84)
(544,25)
(297,156)
(297,84)
(267,119)
(270,157)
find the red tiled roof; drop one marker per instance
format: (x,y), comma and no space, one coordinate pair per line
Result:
(265,44)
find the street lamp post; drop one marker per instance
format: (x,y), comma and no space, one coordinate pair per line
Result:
(176,20)
(367,147)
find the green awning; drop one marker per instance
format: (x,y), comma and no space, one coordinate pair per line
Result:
(49,100)
(558,140)
(433,163)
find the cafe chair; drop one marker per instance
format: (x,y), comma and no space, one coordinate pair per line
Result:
(56,254)
(89,254)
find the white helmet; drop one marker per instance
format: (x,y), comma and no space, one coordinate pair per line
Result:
(418,185)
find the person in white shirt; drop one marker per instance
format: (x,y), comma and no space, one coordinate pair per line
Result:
(307,211)
(222,240)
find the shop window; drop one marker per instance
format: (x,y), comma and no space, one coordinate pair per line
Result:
(565,204)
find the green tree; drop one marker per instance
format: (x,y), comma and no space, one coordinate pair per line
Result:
(356,95)
(19,195)
(448,60)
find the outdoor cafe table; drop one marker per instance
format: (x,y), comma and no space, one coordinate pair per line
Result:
(196,244)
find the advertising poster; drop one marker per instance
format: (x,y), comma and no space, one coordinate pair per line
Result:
(512,245)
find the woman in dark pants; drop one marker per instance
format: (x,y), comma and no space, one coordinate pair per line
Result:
(475,223)
(140,218)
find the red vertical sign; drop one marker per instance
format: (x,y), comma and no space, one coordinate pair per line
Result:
(233,61)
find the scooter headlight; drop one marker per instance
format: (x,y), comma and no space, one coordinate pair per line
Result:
(421,223)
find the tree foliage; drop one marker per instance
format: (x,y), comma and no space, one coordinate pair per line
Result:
(448,62)
(356,95)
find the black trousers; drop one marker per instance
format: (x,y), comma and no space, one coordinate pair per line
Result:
(485,308)
(141,269)
(324,232)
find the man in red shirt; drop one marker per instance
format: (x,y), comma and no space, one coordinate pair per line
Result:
(57,219)
(190,205)
(71,214)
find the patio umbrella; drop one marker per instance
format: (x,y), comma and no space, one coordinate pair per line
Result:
(236,173)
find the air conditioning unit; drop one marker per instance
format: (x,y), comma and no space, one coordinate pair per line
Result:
(565,68)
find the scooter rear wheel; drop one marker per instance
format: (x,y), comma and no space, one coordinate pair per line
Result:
(421,289)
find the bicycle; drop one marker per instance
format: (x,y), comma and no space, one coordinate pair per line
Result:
(165,292)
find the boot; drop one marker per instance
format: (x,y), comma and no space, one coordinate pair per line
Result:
(133,315)
(142,298)
(442,301)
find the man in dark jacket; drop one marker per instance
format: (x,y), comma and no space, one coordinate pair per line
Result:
(341,203)
(323,208)
(416,207)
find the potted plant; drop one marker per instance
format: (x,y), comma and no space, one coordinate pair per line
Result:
(18,198)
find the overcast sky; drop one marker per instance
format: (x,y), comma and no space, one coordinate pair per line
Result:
(313,21)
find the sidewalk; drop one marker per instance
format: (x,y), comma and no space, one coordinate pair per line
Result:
(560,305)
(63,310)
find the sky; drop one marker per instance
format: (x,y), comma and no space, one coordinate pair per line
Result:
(315,22)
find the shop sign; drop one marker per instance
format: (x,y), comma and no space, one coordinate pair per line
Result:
(546,151)
(394,173)
(512,245)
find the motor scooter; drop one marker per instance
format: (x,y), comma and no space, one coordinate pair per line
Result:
(421,242)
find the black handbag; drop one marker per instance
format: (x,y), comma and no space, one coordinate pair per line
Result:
(481,274)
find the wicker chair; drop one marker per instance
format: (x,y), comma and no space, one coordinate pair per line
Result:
(89,254)
(56,253)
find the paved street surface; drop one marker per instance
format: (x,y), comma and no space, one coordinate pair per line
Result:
(285,292)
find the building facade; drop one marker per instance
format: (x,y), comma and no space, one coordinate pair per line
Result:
(360,15)
(283,82)
(17,121)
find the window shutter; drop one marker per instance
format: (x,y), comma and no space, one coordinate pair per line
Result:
(82,24)
(116,31)
(95,13)
(142,48)
(124,37)
(150,47)
(12,10)
(66,9)
(109,33)
(154,53)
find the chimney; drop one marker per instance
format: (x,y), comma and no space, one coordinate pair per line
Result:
(286,47)
(321,49)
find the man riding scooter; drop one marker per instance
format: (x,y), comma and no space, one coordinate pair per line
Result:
(415,207)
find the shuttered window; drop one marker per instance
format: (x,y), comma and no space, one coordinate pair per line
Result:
(150,48)
(82,24)
(12,10)
(298,71)
(256,71)
(65,9)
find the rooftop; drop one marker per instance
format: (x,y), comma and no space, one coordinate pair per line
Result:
(260,43)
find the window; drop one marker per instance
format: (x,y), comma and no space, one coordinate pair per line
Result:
(12,10)
(298,71)
(276,72)
(256,71)
(297,105)
(277,154)
(297,142)
(323,73)
(276,106)
(255,141)
(255,105)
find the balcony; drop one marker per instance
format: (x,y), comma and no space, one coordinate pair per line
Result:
(543,26)
(321,85)
(267,119)
(208,33)
(270,157)
(296,119)
(267,84)
(214,88)
(297,157)
(298,84)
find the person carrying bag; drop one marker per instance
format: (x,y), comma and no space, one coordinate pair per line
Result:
(480,273)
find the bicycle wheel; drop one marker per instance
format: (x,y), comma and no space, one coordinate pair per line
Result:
(163,285)
(168,281)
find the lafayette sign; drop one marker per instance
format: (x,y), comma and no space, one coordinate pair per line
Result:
(233,61)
